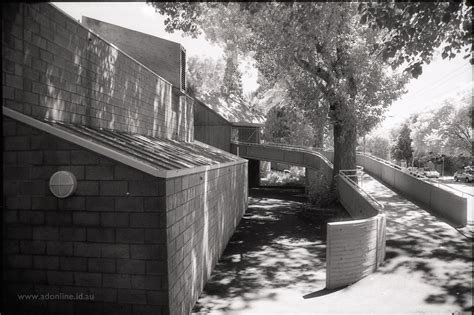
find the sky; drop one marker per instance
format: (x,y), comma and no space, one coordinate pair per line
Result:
(441,79)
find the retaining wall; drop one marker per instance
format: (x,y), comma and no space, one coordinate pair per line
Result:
(443,203)
(54,68)
(355,248)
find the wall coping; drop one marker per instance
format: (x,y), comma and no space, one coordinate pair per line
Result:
(110,153)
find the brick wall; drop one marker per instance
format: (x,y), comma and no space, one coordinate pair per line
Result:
(108,239)
(54,68)
(203,211)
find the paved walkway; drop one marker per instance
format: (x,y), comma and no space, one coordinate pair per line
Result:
(275,263)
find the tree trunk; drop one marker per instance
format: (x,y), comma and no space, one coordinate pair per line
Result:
(345,141)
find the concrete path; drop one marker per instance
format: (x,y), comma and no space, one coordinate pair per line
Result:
(275,264)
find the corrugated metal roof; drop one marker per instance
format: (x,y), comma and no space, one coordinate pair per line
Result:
(234,111)
(162,153)
(157,156)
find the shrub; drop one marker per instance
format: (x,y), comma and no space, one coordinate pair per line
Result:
(320,192)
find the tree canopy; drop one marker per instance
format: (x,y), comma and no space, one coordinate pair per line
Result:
(329,52)
(412,30)
(402,150)
(446,130)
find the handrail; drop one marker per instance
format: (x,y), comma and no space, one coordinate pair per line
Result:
(446,187)
(436,184)
(348,177)
(285,146)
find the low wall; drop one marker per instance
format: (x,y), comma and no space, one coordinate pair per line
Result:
(354,248)
(442,203)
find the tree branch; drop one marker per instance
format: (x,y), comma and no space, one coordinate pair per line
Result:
(316,72)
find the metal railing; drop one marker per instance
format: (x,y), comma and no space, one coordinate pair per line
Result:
(304,149)
(426,180)
(357,173)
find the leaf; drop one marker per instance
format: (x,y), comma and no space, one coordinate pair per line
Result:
(416,71)
(446,18)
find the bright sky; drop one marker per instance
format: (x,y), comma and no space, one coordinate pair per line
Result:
(440,79)
(139,16)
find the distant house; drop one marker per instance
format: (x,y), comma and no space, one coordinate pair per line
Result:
(220,120)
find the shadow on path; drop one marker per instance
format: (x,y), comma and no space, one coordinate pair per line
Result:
(418,242)
(271,248)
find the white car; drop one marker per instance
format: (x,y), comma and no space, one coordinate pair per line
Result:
(431,174)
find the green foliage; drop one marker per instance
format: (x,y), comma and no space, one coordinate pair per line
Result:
(378,146)
(287,125)
(232,81)
(319,48)
(205,75)
(413,30)
(446,130)
(402,150)
(320,192)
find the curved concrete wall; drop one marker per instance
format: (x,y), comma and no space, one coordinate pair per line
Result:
(442,203)
(355,248)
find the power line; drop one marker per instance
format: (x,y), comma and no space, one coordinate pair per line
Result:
(445,79)
(436,86)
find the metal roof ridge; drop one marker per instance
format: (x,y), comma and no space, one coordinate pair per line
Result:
(111,153)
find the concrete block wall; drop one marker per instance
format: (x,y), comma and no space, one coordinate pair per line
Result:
(54,68)
(108,239)
(203,211)
(160,55)
(442,203)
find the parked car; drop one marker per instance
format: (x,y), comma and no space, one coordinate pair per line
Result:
(431,174)
(465,175)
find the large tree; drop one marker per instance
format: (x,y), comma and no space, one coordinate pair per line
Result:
(204,75)
(322,42)
(378,146)
(446,130)
(232,81)
(286,124)
(402,150)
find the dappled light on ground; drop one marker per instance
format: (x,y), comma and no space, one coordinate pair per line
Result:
(275,263)
(271,249)
(420,243)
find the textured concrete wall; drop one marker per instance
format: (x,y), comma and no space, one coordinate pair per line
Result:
(354,201)
(54,68)
(354,250)
(108,239)
(203,211)
(442,203)
(160,55)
